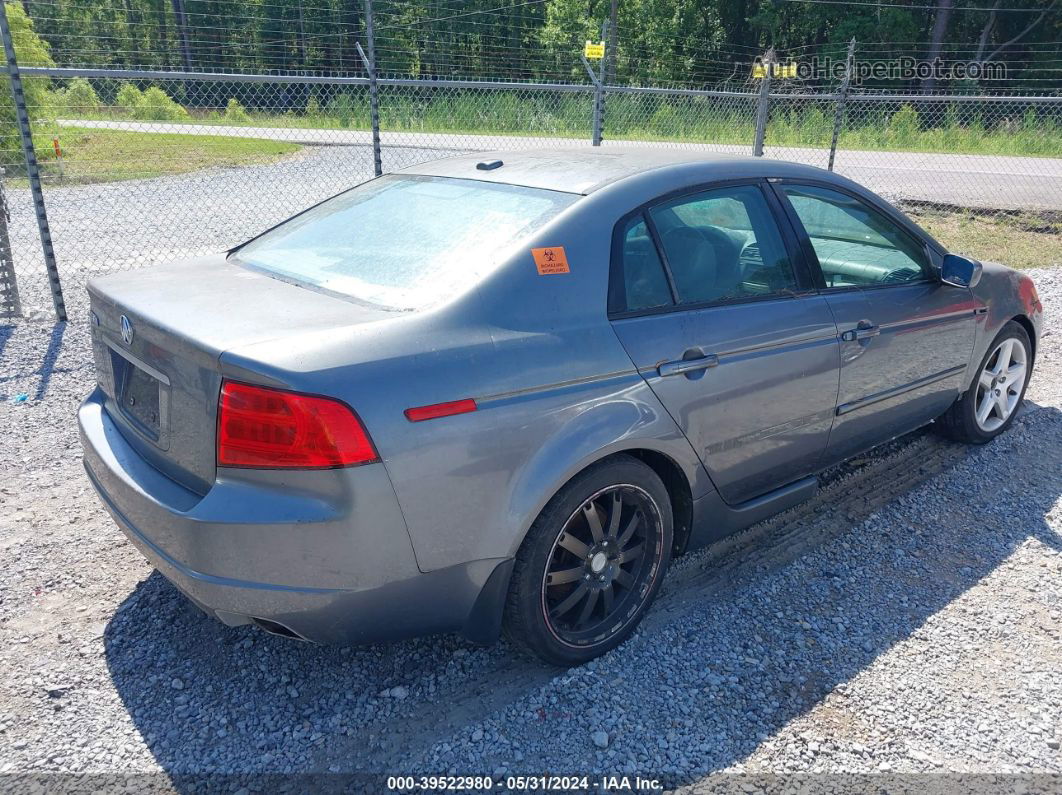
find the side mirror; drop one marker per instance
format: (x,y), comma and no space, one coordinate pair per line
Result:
(959,271)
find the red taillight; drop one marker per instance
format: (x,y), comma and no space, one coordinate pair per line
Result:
(421,413)
(269,428)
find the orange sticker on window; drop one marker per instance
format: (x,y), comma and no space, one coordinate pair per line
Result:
(550,260)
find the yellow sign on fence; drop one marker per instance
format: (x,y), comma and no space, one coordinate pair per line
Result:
(778,70)
(592,50)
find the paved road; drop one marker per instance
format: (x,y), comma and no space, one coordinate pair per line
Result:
(975,181)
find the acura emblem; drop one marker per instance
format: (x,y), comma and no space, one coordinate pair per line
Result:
(127,331)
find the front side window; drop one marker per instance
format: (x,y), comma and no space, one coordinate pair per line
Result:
(856,246)
(723,245)
(404,242)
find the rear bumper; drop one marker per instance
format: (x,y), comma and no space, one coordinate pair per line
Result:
(324,554)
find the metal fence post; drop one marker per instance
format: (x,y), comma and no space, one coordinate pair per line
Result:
(607,73)
(603,91)
(374,93)
(10,306)
(32,170)
(762,102)
(595,133)
(842,99)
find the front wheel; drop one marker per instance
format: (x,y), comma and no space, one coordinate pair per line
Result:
(990,404)
(591,564)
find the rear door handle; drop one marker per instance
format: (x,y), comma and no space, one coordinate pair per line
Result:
(688,365)
(861,332)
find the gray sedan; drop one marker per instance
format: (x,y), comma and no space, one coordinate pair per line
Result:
(505,391)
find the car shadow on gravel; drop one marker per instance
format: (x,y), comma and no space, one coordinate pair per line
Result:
(744,643)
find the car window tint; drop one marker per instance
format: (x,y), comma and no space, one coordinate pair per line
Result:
(855,244)
(723,245)
(644,282)
(405,241)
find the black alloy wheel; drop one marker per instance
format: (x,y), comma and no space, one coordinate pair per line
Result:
(592,563)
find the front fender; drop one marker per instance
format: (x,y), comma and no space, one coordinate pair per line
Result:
(1006,294)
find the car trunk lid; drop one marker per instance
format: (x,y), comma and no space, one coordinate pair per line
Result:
(158,335)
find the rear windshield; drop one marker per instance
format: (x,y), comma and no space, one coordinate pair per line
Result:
(402,241)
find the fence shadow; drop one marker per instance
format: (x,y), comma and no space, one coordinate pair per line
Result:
(46,368)
(6,332)
(249,703)
(51,355)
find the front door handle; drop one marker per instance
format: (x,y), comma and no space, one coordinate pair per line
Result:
(682,366)
(861,332)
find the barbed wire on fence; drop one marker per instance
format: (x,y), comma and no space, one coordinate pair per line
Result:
(531,40)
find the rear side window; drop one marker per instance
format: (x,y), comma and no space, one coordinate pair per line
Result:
(404,242)
(723,245)
(644,281)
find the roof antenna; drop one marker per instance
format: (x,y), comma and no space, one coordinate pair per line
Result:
(489,166)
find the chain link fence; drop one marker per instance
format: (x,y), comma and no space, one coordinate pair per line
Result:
(147,169)
(138,167)
(968,139)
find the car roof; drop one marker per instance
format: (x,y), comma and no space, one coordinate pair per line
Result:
(589,169)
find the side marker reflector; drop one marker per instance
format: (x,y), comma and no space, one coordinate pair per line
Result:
(421,413)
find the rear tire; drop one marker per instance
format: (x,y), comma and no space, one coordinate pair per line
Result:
(989,405)
(591,563)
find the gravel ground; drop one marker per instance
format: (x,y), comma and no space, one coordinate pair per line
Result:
(906,620)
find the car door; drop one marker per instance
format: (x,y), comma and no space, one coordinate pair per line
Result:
(906,338)
(708,300)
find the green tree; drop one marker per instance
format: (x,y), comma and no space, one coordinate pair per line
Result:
(235,112)
(689,42)
(30,50)
(79,98)
(156,105)
(129,97)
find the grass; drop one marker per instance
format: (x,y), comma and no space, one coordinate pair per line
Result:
(94,156)
(1021,240)
(873,127)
